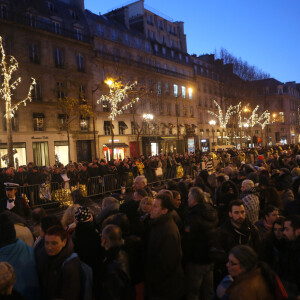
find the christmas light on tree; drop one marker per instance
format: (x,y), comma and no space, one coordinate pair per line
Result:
(8,66)
(117,94)
(223,118)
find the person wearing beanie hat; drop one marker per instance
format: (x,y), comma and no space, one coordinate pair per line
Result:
(21,257)
(87,244)
(83,214)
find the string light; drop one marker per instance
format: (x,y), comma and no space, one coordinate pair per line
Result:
(7,69)
(118,93)
(223,119)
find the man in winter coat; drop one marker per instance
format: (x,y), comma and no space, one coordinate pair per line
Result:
(58,279)
(199,233)
(237,230)
(164,273)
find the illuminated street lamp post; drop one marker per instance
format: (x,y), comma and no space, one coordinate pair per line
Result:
(212,123)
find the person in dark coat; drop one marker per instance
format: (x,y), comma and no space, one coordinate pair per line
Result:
(200,227)
(237,230)
(164,277)
(58,280)
(34,176)
(291,262)
(83,175)
(21,257)
(72,174)
(116,278)
(87,242)
(14,203)
(21,176)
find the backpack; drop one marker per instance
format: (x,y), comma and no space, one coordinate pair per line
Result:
(86,278)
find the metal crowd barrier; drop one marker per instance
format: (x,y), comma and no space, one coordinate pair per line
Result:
(53,193)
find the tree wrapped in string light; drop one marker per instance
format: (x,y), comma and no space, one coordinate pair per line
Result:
(8,66)
(118,101)
(223,117)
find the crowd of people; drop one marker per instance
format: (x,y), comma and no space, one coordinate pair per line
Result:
(232,231)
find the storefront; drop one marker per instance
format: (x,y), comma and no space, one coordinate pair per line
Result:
(19,156)
(191,145)
(204,144)
(61,152)
(119,151)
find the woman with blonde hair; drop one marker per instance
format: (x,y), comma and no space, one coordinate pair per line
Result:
(7,281)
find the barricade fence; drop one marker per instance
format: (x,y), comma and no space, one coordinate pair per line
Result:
(55,194)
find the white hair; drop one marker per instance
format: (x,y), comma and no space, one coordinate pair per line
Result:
(141,178)
(247,183)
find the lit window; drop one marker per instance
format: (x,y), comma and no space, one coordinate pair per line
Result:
(175,90)
(159,88)
(190,93)
(84,123)
(39,122)
(183,91)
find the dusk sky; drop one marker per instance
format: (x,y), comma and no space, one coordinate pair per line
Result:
(265,33)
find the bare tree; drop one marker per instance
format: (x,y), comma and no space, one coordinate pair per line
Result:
(8,66)
(72,109)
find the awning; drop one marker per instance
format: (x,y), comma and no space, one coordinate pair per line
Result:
(116,145)
(201,130)
(123,124)
(170,125)
(218,130)
(38,115)
(181,125)
(207,130)
(62,116)
(194,126)
(164,124)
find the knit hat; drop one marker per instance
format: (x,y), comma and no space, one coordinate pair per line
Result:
(7,230)
(82,214)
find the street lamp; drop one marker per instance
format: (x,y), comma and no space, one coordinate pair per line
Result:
(212,123)
(148,118)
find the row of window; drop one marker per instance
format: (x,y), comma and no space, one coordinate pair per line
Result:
(58,57)
(36,93)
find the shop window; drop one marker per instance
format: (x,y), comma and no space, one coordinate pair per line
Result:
(61,151)
(40,153)
(39,123)
(19,156)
